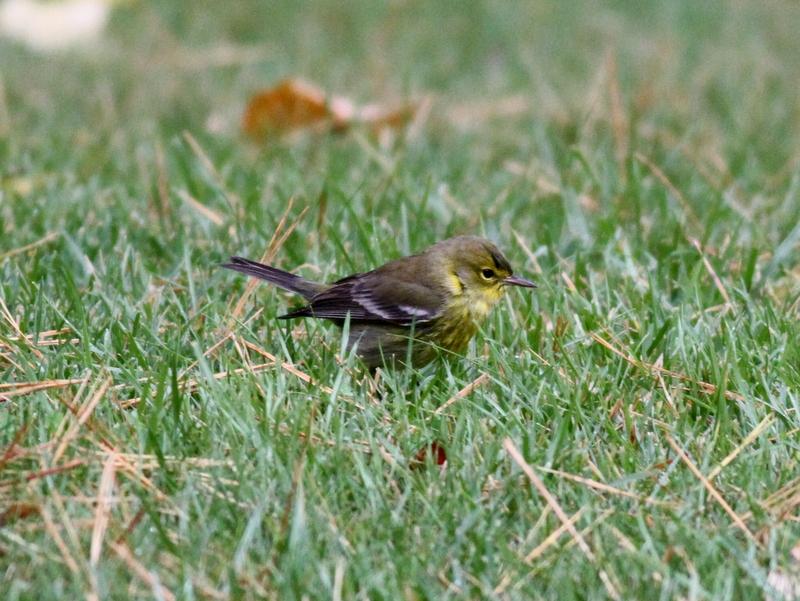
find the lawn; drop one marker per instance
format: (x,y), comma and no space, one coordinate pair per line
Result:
(629,430)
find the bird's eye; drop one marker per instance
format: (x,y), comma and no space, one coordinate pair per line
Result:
(488,274)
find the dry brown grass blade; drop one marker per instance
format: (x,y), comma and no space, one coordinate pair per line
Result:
(22,249)
(198,206)
(206,483)
(714,276)
(380,118)
(75,408)
(361,446)
(31,548)
(20,389)
(714,492)
(275,244)
(468,114)
(289,368)
(145,575)
(667,394)
(162,184)
(135,474)
(52,530)
(105,492)
(47,472)
(708,388)
(46,334)
(420,116)
(784,497)
(45,338)
(191,385)
(553,537)
(9,453)
(207,352)
(6,314)
(780,504)
(304,377)
(605,487)
(748,440)
(86,412)
(571,543)
(477,382)
(131,525)
(512,450)
(72,532)
(7,362)
(147,461)
(568,281)
(212,171)
(537,268)
(672,188)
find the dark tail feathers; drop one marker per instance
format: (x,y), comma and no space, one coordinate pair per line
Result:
(288,281)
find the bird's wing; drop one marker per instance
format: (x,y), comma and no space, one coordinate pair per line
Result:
(368,297)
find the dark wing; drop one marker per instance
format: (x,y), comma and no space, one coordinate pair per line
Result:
(371,297)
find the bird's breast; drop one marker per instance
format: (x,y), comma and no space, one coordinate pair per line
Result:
(458,324)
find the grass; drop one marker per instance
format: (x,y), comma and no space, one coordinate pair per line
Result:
(639,162)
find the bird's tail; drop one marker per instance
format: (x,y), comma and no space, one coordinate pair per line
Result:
(288,281)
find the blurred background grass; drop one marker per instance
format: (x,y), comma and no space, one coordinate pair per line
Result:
(609,135)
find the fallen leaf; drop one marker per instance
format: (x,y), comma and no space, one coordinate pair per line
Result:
(17,511)
(292,104)
(434,450)
(295,104)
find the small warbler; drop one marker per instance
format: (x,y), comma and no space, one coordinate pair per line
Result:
(438,298)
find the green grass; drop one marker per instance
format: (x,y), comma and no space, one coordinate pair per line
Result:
(669,231)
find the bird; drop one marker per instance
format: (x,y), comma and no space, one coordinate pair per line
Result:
(410,308)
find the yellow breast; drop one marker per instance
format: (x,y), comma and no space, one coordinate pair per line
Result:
(460,321)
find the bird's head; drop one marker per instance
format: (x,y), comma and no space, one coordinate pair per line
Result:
(478,269)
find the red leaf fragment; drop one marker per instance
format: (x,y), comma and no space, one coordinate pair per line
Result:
(434,450)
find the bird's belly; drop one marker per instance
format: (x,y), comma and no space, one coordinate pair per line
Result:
(381,345)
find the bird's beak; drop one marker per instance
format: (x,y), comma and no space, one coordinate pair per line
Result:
(515,280)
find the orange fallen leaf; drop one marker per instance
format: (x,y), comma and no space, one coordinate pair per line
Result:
(290,105)
(295,104)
